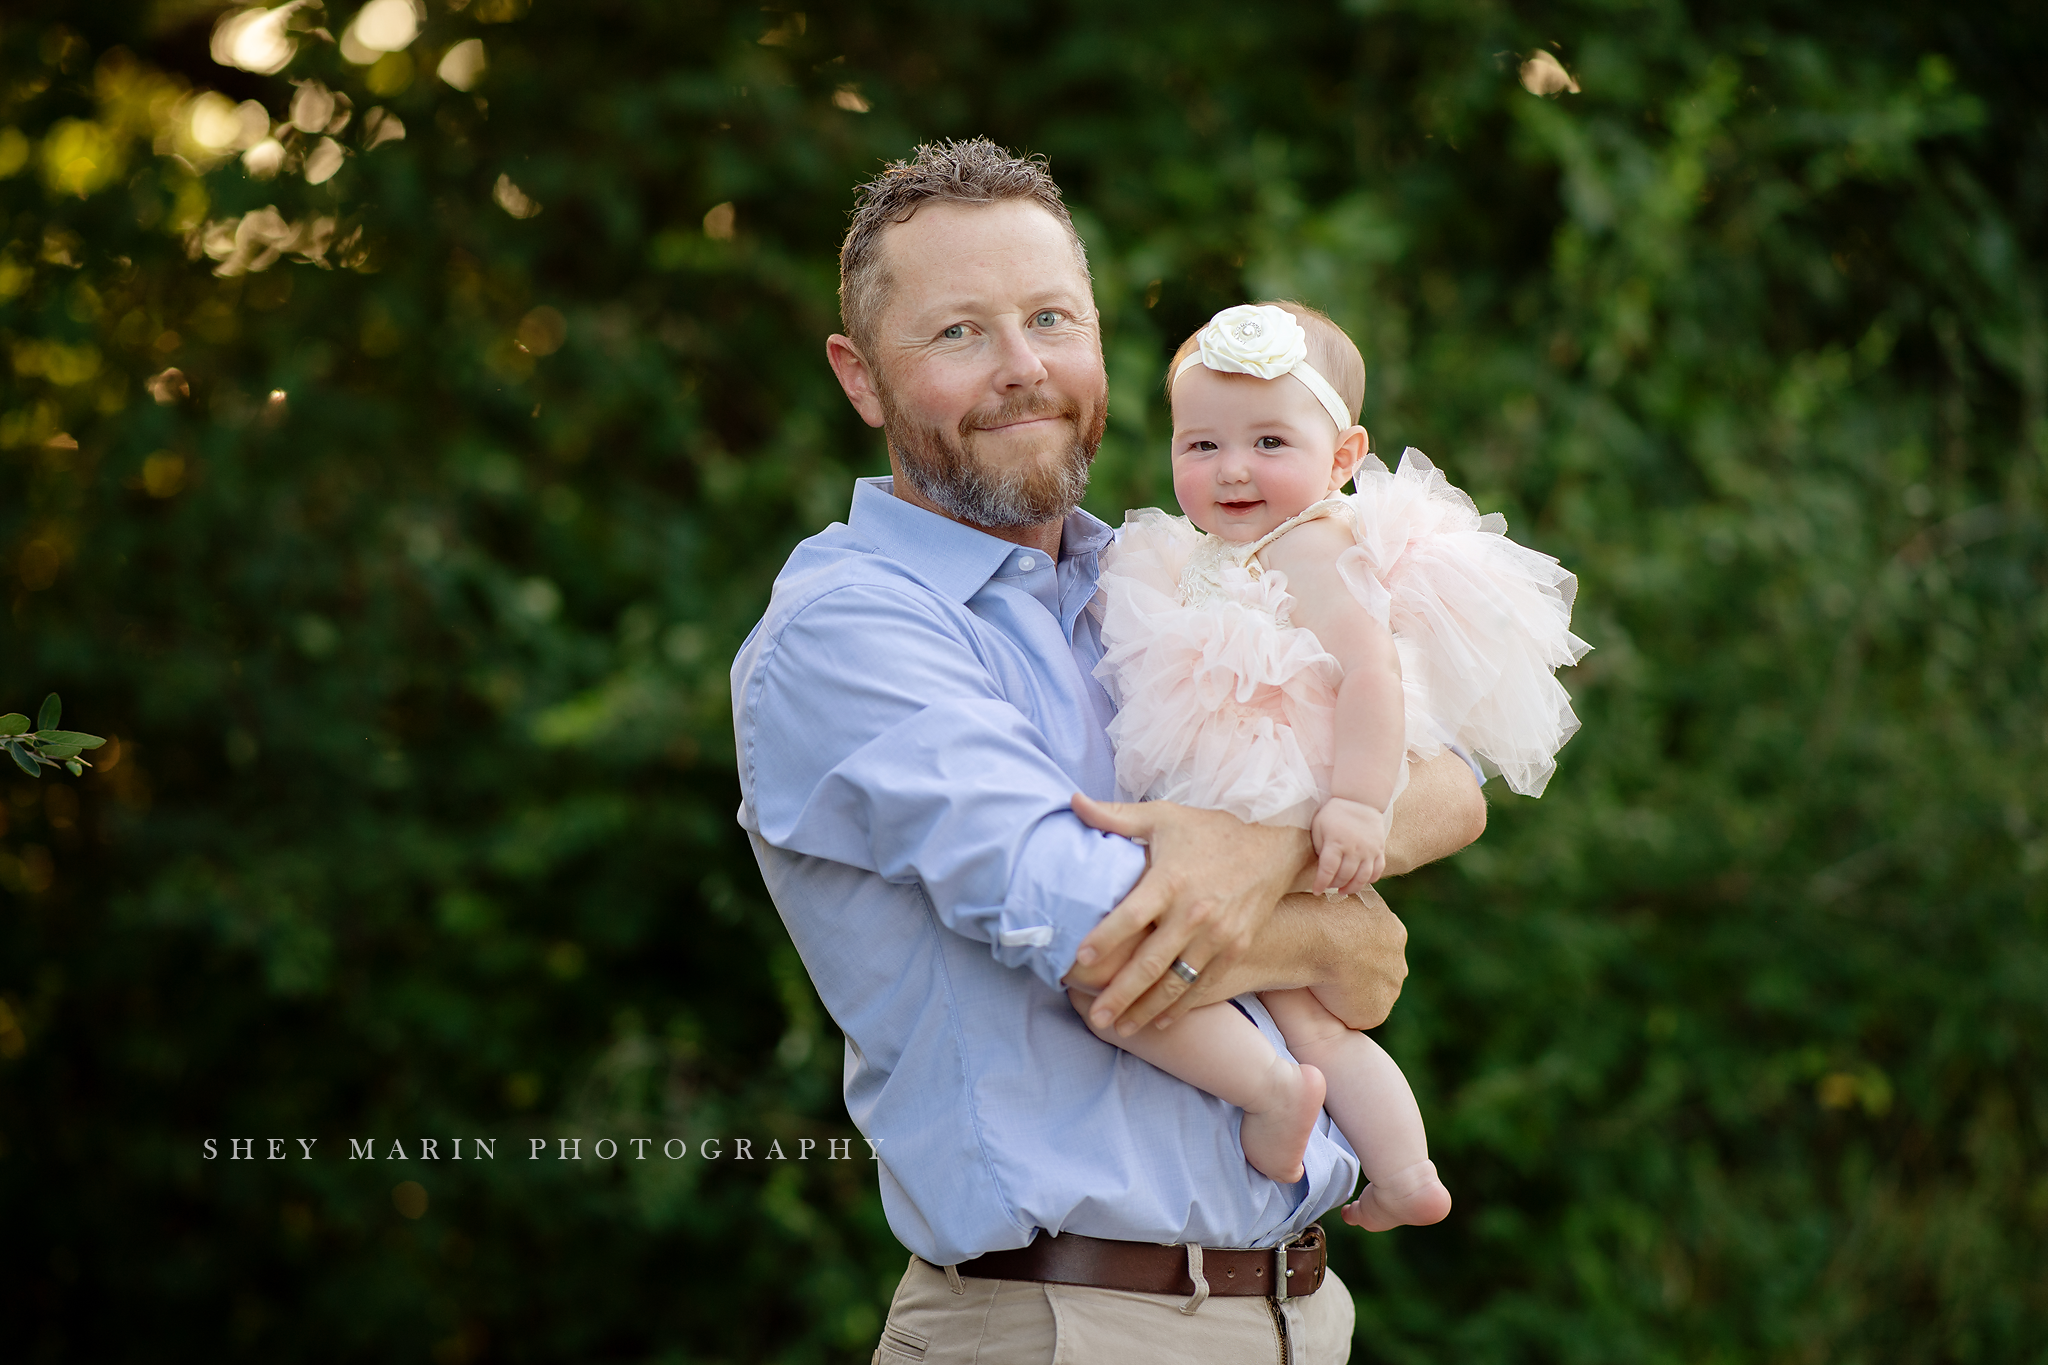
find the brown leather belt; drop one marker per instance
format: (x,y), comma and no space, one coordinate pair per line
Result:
(1149,1268)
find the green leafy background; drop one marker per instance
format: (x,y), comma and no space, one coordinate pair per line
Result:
(408,610)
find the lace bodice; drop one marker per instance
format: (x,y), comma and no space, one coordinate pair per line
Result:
(1201,582)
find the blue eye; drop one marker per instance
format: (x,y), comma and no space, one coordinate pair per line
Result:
(1048,318)
(954,333)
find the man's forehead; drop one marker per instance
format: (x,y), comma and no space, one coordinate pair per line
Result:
(984,250)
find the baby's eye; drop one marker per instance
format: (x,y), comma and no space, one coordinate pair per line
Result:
(1048,318)
(1201,445)
(1269,443)
(955,332)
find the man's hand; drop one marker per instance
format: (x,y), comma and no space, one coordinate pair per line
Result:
(1356,948)
(1350,952)
(1210,884)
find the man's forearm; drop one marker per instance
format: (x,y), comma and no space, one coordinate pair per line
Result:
(1352,951)
(1440,812)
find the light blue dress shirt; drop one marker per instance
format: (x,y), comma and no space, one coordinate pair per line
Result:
(912,715)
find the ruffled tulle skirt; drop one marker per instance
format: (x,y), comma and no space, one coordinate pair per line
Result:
(1227,707)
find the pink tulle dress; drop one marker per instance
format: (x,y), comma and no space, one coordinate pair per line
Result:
(1224,705)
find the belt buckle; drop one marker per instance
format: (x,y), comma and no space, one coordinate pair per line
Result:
(1281,1273)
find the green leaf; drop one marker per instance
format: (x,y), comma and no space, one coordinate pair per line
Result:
(22,761)
(52,712)
(57,753)
(13,723)
(76,768)
(78,737)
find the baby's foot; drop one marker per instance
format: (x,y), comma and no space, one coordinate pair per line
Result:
(1276,1137)
(1412,1196)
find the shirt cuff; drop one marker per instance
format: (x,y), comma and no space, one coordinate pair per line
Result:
(1068,877)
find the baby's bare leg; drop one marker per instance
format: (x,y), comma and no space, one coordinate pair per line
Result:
(1371,1103)
(1214,1048)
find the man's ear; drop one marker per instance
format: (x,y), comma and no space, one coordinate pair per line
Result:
(851,369)
(1351,449)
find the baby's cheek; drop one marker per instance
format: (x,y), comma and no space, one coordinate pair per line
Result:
(1190,491)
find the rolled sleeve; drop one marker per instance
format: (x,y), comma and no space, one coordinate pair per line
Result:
(1070,877)
(903,760)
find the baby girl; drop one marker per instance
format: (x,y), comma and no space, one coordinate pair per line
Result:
(1282,652)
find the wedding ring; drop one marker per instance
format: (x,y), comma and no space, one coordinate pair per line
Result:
(1186,973)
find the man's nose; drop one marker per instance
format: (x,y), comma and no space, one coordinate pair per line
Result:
(1017,361)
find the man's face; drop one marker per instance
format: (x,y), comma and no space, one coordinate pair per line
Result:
(988,362)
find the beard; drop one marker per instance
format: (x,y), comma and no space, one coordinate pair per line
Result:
(1046,486)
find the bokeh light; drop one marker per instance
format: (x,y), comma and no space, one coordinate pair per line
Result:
(462,66)
(380,27)
(255,39)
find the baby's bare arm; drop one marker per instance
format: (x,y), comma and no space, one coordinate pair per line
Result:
(1371,720)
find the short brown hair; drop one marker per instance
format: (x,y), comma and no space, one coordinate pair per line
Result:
(974,171)
(1334,354)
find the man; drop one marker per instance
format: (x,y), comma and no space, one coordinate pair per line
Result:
(925,781)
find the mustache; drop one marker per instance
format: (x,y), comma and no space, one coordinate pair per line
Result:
(1023,408)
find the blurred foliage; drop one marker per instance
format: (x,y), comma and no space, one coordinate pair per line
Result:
(393,490)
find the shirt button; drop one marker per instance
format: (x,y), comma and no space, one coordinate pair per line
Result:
(1026,563)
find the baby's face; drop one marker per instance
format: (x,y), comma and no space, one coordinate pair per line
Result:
(1249,453)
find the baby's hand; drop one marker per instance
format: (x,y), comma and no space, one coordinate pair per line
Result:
(1351,845)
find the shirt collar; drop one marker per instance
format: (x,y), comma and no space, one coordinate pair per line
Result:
(951,556)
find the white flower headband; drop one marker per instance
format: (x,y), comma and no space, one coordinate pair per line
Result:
(1259,339)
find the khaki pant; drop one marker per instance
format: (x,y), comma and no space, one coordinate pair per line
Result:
(1021,1322)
